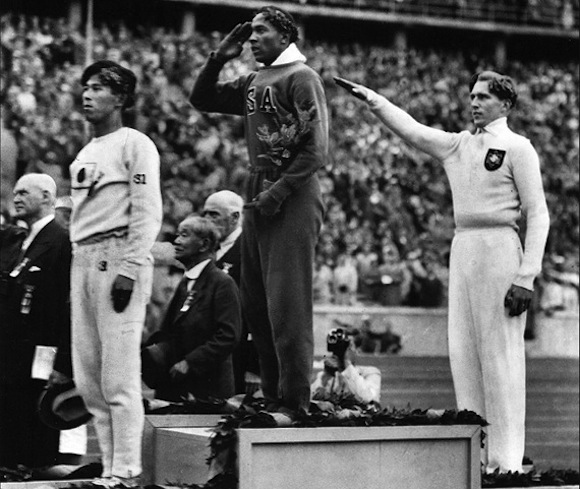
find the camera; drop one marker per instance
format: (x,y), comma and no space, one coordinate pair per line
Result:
(338,341)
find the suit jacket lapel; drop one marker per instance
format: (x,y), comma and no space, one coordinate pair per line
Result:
(198,290)
(41,242)
(175,304)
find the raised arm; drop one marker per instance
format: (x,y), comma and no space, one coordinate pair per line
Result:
(210,95)
(432,141)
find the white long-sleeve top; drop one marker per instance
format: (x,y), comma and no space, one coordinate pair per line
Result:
(494,177)
(115,188)
(363,382)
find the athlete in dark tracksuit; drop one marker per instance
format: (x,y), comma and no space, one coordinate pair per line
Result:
(286,126)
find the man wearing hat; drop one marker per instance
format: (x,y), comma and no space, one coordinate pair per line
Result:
(116,217)
(35,333)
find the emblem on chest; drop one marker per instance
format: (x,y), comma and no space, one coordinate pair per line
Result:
(494,159)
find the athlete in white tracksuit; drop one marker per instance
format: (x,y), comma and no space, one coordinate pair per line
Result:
(495,178)
(115,220)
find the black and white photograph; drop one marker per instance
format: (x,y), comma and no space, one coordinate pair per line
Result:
(292,244)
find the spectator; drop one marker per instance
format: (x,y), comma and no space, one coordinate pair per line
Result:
(409,193)
(342,378)
(35,310)
(224,209)
(189,358)
(426,288)
(345,281)
(322,281)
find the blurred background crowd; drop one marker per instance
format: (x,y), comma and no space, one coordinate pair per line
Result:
(389,223)
(536,12)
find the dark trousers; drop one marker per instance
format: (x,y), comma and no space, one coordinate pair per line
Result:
(244,359)
(24,439)
(276,292)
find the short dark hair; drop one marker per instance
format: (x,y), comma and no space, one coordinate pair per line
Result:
(120,79)
(281,20)
(500,85)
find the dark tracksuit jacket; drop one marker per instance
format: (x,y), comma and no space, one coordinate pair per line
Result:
(286,129)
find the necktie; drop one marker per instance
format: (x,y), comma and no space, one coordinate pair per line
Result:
(181,292)
(189,295)
(24,245)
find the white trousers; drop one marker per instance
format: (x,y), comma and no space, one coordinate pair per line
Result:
(486,345)
(106,353)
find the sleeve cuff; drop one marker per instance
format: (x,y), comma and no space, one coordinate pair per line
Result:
(129,271)
(373,98)
(525,281)
(279,191)
(214,59)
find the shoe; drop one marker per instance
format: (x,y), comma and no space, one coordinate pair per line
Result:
(280,416)
(102,482)
(282,420)
(115,482)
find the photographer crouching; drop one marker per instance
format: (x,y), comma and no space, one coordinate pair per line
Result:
(341,378)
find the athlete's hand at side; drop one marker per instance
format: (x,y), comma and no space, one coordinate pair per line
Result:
(121,292)
(517,300)
(232,45)
(358,91)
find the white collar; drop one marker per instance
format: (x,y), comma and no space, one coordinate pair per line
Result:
(194,272)
(289,55)
(227,243)
(231,239)
(494,127)
(35,229)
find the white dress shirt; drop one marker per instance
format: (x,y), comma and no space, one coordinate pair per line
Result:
(227,243)
(34,230)
(194,272)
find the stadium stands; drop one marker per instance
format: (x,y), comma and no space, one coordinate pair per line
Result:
(380,194)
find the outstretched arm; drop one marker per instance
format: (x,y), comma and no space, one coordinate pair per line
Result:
(432,141)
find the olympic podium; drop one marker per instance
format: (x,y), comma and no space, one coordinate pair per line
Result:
(445,457)
(175,448)
(442,457)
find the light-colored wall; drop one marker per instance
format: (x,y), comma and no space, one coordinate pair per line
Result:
(424,331)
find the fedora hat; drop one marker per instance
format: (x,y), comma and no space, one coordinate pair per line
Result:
(62,408)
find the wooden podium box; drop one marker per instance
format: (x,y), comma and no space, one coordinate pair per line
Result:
(171,452)
(426,457)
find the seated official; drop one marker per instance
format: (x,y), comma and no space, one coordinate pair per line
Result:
(225,210)
(191,355)
(341,378)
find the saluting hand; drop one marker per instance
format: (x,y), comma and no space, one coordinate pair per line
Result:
(518,300)
(232,45)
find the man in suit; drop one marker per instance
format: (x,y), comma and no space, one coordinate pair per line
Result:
(201,327)
(34,306)
(224,209)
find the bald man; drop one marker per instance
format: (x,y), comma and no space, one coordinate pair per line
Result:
(34,306)
(224,208)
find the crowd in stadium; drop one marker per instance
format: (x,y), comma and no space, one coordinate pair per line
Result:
(389,218)
(555,13)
